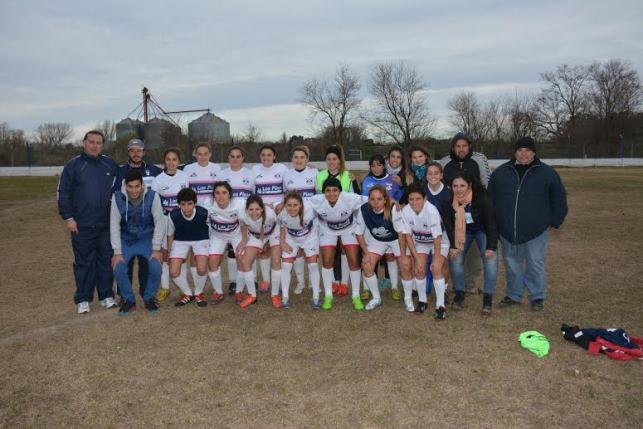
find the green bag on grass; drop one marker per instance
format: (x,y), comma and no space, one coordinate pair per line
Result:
(535,342)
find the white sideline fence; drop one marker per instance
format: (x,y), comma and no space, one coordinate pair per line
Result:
(363,165)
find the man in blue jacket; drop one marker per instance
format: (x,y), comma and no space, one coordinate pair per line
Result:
(529,198)
(84,200)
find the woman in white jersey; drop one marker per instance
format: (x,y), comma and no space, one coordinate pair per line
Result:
(299,233)
(269,185)
(335,210)
(259,233)
(425,227)
(242,182)
(167,185)
(302,179)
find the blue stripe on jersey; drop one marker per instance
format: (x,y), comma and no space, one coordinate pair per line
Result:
(266,233)
(424,237)
(298,233)
(269,189)
(202,188)
(169,202)
(338,226)
(224,227)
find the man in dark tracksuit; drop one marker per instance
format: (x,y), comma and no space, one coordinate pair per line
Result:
(84,201)
(529,198)
(135,162)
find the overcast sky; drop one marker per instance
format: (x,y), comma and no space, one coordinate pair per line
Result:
(83,61)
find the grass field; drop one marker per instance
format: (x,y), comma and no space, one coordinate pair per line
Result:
(227,368)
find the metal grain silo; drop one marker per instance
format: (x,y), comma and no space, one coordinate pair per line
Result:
(128,128)
(209,127)
(157,130)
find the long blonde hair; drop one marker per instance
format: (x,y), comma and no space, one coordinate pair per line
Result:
(294,195)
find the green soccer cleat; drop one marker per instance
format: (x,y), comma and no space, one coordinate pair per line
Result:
(365,295)
(328,303)
(357,303)
(395,294)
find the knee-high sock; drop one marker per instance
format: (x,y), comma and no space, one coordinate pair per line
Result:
(345,270)
(299,270)
(250,282)
(275,282)
(184,270)
(215,278)
(286,268)
(408,288)
(420,285)
(232,269)
(165,276)
(392,272)
(440,286)
(356,280)
(241,282)
(328,277)
(199,283)
(195,275)
(313,275)
(371,282)
(264,264)
(182,283)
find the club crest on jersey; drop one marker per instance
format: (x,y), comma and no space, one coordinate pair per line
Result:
(278,176)
(344,213)
(259,176)
(309,181)
(381,232)
(290,182)
(246,181)
(213,174)
(193,175)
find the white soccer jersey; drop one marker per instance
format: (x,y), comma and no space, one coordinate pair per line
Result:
(225,221)
(301,181)
(338,219)
(202,180)
(242,182)
(294,229)
(168,188)
(254,226)
(425,226)
(269,182)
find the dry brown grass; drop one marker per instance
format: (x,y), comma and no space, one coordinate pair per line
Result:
(224,367)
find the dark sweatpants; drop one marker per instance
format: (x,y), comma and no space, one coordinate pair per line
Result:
(92,263)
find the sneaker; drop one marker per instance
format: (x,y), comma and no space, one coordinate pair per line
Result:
(365,295)
(83,307)
(408,303)
(537,305)
(315,304)
(184,300)
(248,301)
(335,288)
(328,303)
(486,304)
(458,300)
(200,300)
(285,304)
(108,302)
(440,313)
(508,302)
(126,308)
(238,298)
(385,283)
(373,304)
(162,294)
(414,294)
(396,295)
(421,307)
(151,306)
(299,289)
(232,288)
(357,304)
(216,298)
(276,301)
(264,287)
(342,290)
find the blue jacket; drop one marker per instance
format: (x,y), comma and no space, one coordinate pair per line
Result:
(392,188)
(85,190)
(148,171)
(137,223)
(526,208)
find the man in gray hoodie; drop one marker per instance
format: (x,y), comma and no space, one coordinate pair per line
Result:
(137,226)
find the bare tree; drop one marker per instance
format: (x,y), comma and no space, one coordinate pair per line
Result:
(495,118)
(333,103)
(108,128)
(12,142)
(616,89)
(520,116)
(251,134)
(401,104)
(53,134)
(468,115)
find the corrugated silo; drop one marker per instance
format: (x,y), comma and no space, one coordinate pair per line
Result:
(209,127)
(129,127)
(157,130)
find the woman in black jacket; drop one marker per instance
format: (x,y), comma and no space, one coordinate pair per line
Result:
(469,216)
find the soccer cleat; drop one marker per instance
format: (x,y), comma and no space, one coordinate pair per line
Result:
(408,303)
(151,306)
(299,288)
(537,305)
(285,304)
(184,300)
(486,304)
(216,298)
(126,308)
(108,302)
(238,298)
(328,303)
(440,313)
(83,307)
(421,307)
(248,301)
(373,304)
(162,294)
(315,304)
(365,295)
(200,300)
(508,302)
(342,290)
(357,304)
(335,288)
(458,300)
(385,283)
(395,294)
(232,288)
(264,286)
(276,301)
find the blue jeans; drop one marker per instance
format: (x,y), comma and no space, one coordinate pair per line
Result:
(490,266)
(525,266)
(141,248)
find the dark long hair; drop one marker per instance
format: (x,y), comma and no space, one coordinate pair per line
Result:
(254,198)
